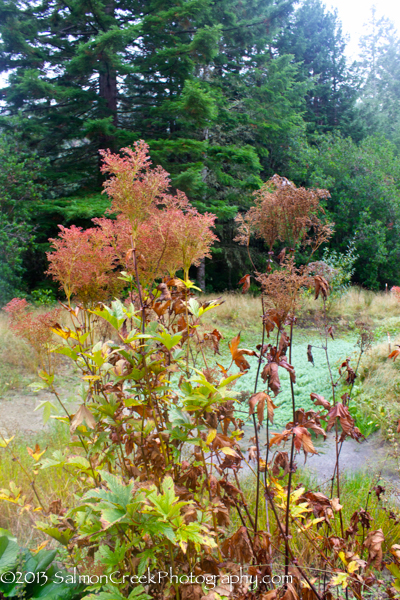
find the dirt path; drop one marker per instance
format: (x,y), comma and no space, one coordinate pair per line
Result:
(371,455)
(17,408)
(17,414)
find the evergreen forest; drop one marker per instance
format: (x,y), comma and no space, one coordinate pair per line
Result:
(226,94)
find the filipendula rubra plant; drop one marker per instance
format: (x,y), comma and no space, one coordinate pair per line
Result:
(156,446)
(293,218)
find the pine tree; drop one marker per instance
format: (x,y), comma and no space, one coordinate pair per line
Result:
(86,76)
(379,68)
(314,36)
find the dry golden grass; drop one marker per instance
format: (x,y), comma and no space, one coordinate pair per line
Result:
(50,484)
(379,377)
(357,303)
(18,363)
(242,310)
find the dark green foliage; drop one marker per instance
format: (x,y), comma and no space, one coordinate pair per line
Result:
(33,575)
(20,192)
(379,69)
(226,94)
(314,36)
(365,203)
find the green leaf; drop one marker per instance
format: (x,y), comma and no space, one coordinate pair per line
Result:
(9,551)
(63,537)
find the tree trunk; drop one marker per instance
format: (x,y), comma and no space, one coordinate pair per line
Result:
(108,90)
(201,275)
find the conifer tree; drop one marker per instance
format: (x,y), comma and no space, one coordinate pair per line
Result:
(87,76)
(314,36)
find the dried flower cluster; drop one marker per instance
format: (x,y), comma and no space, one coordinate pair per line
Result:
(154,232)
(83,263)
(281,287)
(285,213)
(36,329)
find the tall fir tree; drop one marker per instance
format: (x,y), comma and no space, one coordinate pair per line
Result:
(86,76)
(315,38)
(379,68)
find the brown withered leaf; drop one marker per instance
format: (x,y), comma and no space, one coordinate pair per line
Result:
(321,287)
(238,546)
(365,518)
(289,368)
(281,461)
(395,551)
(281,256)
(83,414)
(378,489)
(309,419)
(290,593)
(253,453)
(307,593)
(350,373)
(245,282)
(303,440)
(191,591)
(341,412)
(277,438)
(320,401)
(337,507)
(271,318)
(352,530)
(215,336)
(221,513)
(271,595)
(373,543)
(268,324)
(320,504)
(258,400)
(221,590)
(161,307)
(270,374)
(335,543)
(398,427)
(175,282)
(392,593)
(165,293)
(310,357)
(331,332)
(284,343)
(55,507)
(394,354)
(238,354)
(270,408)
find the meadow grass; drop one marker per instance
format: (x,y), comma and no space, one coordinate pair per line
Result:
(18,364)
(356,492)
(377,389)
(17,466)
